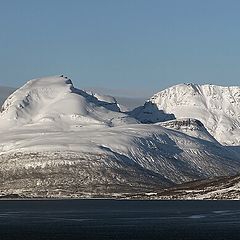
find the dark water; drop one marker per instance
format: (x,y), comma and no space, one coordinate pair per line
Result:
(109,219)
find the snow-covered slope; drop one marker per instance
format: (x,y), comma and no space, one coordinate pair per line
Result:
(218,108)
(99,161)
(54,100)
(191,127)
(59,138)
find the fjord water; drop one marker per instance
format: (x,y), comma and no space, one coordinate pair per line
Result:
(119,219)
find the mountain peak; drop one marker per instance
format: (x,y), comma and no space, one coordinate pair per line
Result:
(217,107)
(55,100)
(48,126)
(58,81)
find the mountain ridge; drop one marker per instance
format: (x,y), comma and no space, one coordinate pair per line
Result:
(49,126)
(217,107)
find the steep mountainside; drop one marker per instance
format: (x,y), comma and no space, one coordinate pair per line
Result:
(55,100)
(218,108)
(57,140)
(189,126)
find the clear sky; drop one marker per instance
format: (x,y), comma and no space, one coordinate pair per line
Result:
(137,45)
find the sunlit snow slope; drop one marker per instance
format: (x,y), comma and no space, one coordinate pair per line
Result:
(218,108)
(70,142)
(54,101)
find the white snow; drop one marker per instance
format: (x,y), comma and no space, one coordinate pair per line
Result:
(50,115)
(55,101)
(218,108)
(191,127)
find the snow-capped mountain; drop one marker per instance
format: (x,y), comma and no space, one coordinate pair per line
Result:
(218,108)
(55,100)
(56,140)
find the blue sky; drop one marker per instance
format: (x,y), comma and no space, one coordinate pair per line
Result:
(137,45)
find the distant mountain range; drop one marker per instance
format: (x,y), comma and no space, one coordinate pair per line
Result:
(59,141)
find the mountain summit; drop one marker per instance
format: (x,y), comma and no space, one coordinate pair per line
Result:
(59,141)
(218,108)
(55,100)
